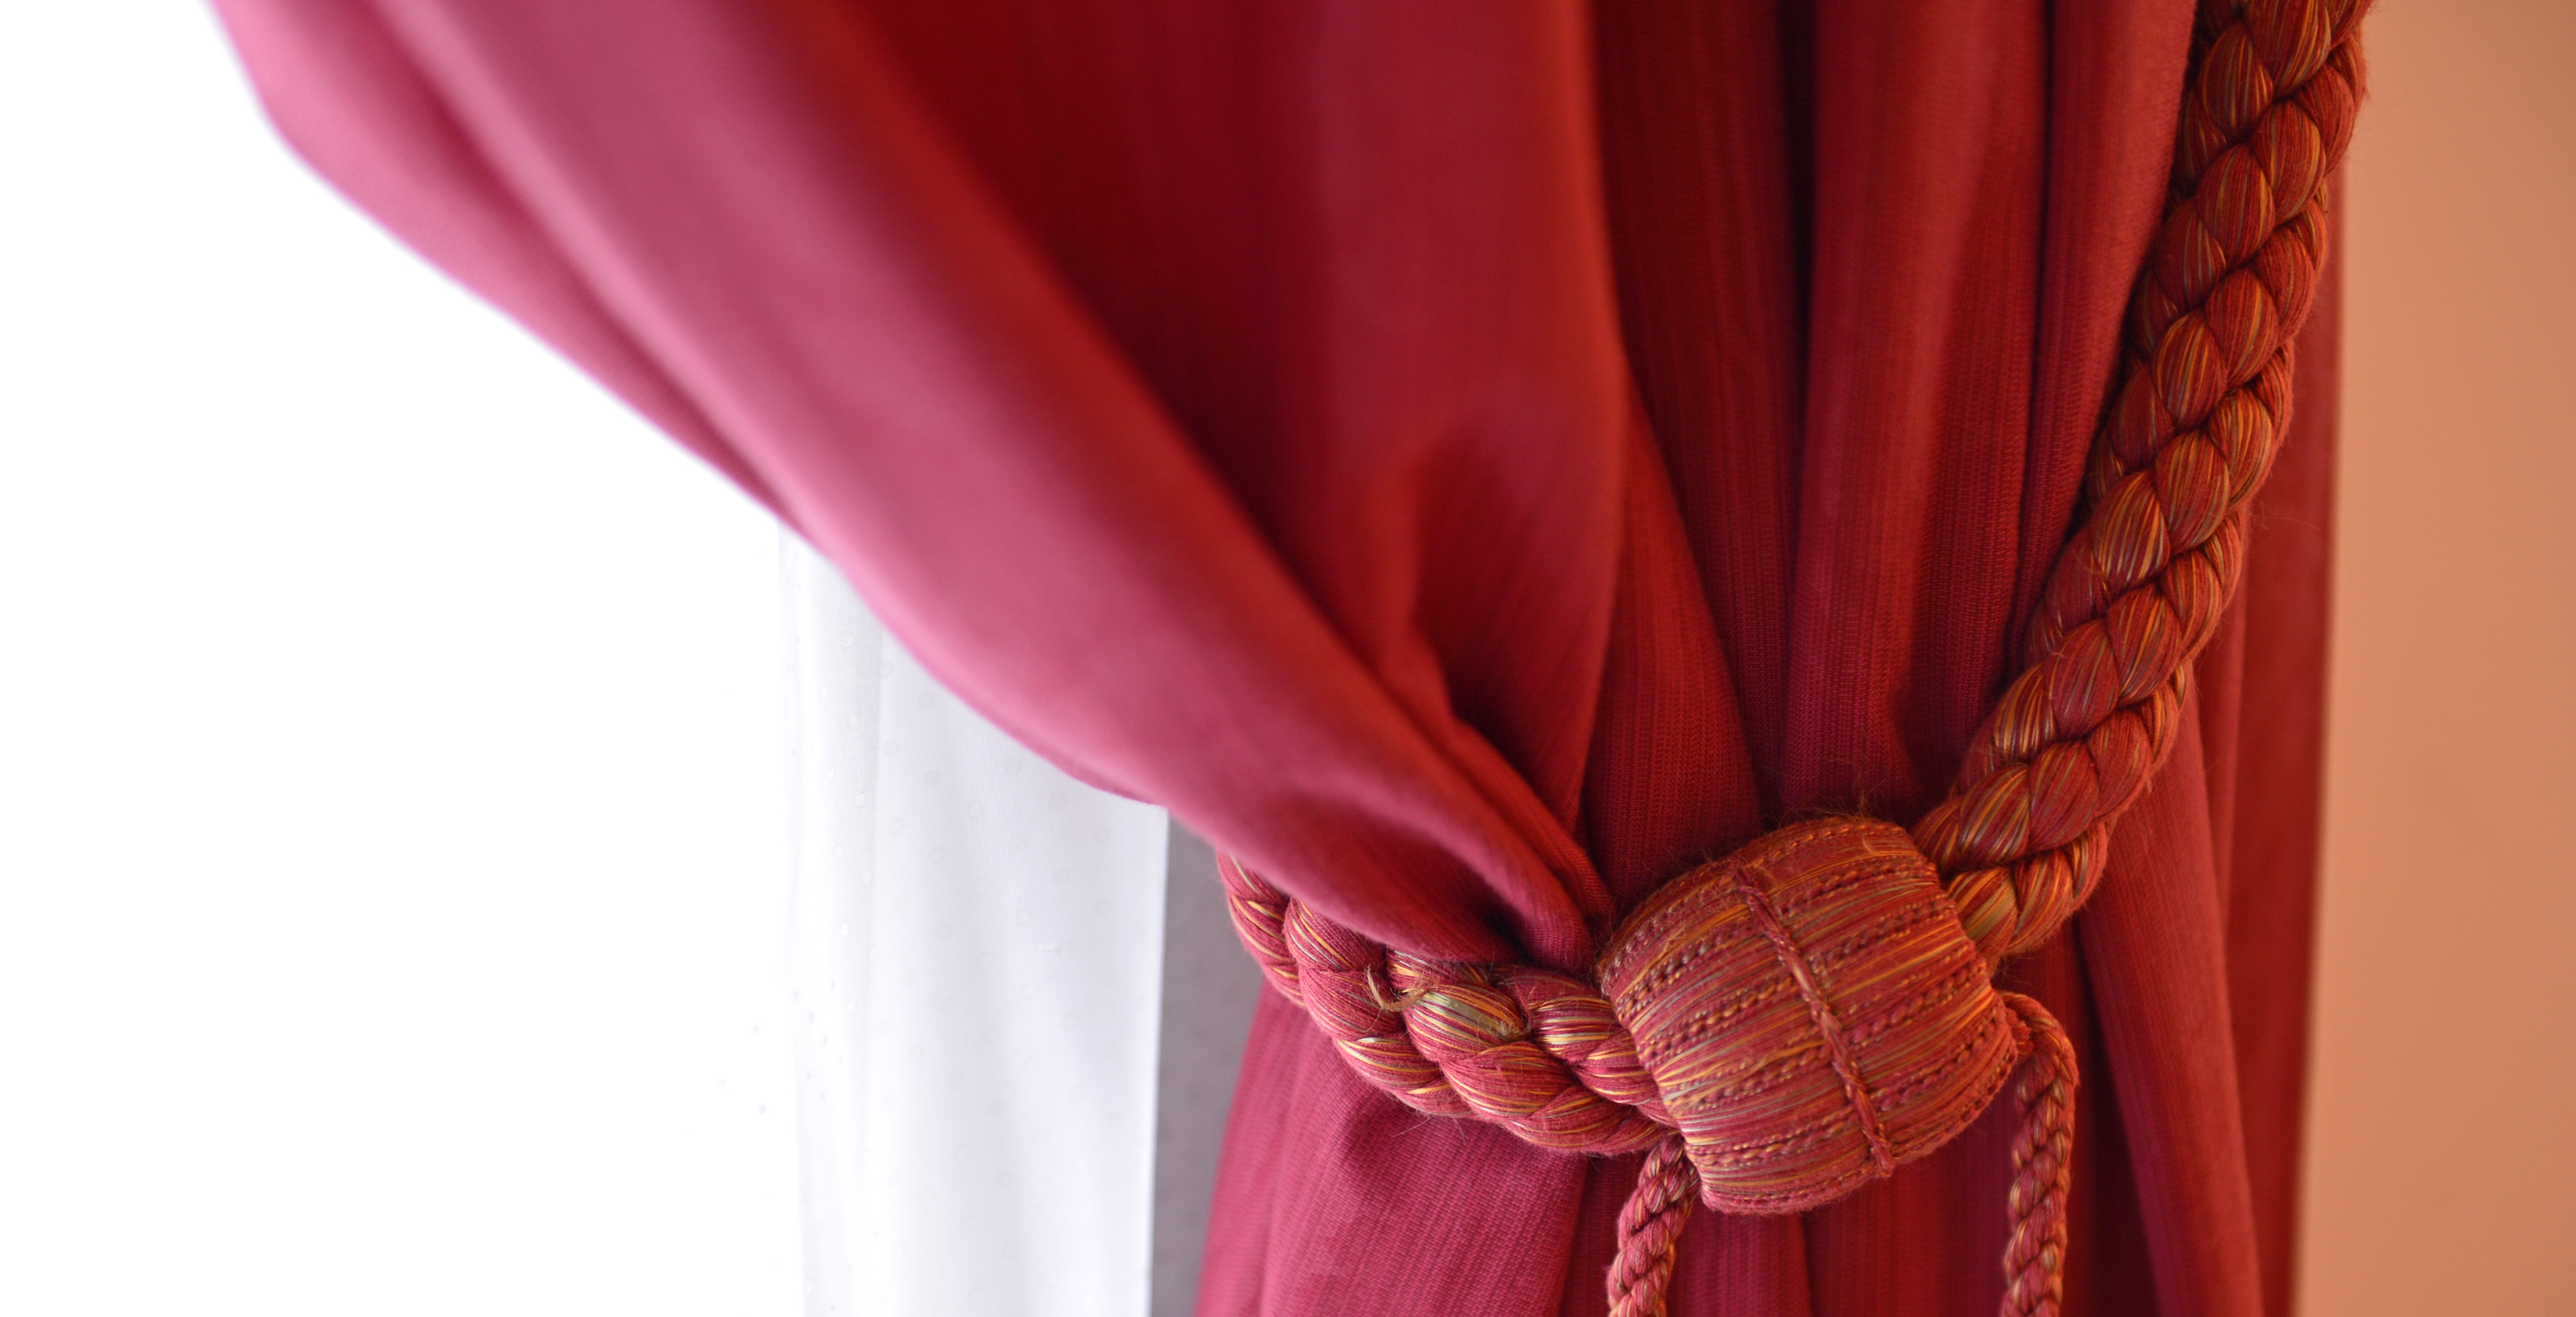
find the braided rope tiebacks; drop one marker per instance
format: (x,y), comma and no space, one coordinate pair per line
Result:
(1776,1028)
(2142,584)
(1773,1029)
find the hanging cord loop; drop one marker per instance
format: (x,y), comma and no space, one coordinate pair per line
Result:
(1779,1027)
(2035,1254)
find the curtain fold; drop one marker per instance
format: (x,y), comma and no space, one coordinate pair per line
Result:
(1471,460)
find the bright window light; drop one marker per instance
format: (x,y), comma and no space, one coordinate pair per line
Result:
(392,873)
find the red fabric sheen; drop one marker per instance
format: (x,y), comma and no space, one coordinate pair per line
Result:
(1472,461)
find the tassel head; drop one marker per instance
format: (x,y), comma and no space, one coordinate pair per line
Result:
(1812,1013)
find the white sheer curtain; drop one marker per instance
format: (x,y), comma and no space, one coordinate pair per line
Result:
(985,1032)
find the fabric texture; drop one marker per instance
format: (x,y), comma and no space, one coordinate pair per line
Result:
(1470,461)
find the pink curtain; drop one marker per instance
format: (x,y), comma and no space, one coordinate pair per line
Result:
(1472,460)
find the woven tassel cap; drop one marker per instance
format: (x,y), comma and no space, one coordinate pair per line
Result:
(1812,1012)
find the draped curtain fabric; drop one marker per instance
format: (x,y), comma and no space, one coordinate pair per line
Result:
(1471,460)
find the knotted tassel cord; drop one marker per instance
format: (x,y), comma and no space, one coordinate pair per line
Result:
(2138,590)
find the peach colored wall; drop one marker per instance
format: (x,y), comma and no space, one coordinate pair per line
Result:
(2442,1152)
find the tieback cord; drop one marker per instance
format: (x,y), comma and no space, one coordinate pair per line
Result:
(1777,1028)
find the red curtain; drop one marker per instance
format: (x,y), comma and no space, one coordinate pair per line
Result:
(1471,459)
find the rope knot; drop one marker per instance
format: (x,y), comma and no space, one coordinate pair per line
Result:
(1812,1013)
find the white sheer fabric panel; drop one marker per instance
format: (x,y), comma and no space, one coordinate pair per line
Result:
(1209,990)
(976,947)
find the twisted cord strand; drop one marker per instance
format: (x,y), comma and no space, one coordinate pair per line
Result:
(1536,1051)
(2042,1154)
(1650,1230)
(2143,583)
